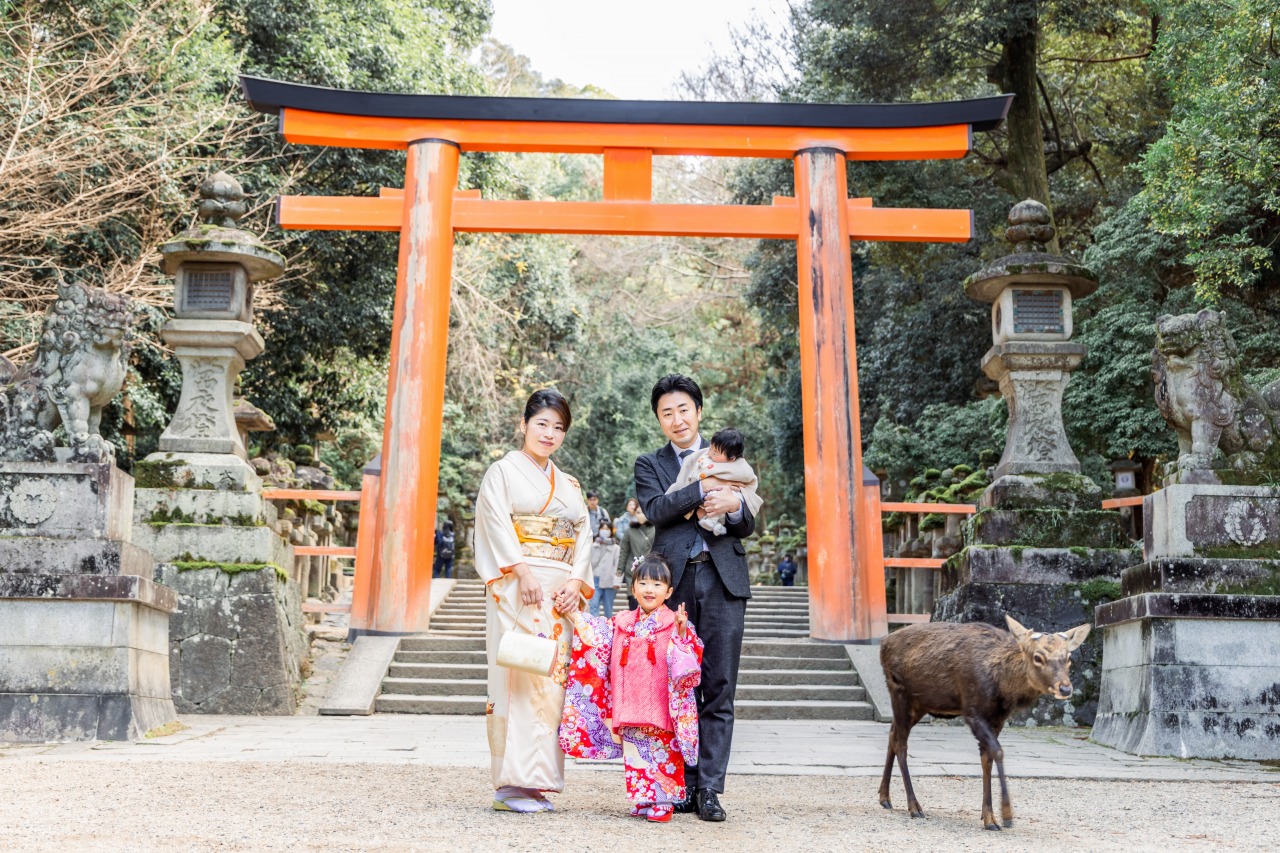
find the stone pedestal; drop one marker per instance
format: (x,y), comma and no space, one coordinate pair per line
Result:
(83,629)
(1036,551)
(212,354)
(1192,653)
(237,642)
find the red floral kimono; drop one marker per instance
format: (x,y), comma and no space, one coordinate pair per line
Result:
(621,650)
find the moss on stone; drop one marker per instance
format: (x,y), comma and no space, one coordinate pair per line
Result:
(933,521)
(191,565)
(158,474)
(170,728)
(1079,551)
(1240,552)
(1098,590)
(173,515)
(1065,481)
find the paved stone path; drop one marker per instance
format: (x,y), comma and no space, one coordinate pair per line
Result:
(762,747)
(415,783)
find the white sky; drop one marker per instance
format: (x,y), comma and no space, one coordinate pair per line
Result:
(634,49)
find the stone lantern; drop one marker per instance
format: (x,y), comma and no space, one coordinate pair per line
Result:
(1032,356)
(215,266)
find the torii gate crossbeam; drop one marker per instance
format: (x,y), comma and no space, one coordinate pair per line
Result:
(846,602)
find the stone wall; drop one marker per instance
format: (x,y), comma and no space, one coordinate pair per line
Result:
(237,642)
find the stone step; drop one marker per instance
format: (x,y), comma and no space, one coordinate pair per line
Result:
(441,657)
(799,692)
(761,662)
(764,633)
(460,634)
(427,644)
(783,648)
(469,671)
(757,709)
(393,703)
(834,677)
(439,687)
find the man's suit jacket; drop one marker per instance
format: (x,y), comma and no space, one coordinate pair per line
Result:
(655,472)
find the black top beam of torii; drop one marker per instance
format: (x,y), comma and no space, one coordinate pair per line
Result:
(270,96)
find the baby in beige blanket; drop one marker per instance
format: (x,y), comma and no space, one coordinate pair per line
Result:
(723,460)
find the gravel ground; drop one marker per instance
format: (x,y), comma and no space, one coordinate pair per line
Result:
(240,806)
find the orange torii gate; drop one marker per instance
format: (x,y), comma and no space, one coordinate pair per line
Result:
(846,601)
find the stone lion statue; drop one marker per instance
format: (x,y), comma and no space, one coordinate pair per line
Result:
(1202,393)
(78,368)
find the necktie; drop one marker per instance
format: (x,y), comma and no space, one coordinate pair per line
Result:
(684,453)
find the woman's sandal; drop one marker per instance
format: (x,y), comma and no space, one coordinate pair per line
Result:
(509,800)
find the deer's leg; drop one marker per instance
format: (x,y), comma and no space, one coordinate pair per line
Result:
(888,766)
(1006,807)
(990,751)
(900,749)
(988,813)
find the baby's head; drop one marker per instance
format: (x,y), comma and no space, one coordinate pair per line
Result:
(651,582)
(727,445)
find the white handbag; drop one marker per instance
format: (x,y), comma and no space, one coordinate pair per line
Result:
(528,653)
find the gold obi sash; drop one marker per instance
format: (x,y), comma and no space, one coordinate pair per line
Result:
(546,536)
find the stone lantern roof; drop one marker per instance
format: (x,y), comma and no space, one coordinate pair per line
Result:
(217,239)
(1030,228)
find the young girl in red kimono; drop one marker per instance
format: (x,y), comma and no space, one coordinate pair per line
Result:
(630,692)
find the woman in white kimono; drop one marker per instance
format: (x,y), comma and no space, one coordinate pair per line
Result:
(533,551)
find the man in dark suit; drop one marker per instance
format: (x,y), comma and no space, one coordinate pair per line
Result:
(709,573)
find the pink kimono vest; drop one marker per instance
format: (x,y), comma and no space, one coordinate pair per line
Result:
(638,672)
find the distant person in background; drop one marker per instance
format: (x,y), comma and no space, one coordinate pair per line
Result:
(604,563)
(622,522)
(633,545)
(787,570)
(444,545)
(596,513)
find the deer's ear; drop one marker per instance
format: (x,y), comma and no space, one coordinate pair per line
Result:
(1077,635)
(1017,629)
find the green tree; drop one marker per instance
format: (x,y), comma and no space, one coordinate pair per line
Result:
(1211,178)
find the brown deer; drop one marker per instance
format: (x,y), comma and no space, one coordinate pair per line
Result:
(977,672)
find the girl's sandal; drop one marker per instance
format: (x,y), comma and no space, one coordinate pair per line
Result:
(660,814)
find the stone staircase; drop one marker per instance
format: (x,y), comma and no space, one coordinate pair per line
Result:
(783,676)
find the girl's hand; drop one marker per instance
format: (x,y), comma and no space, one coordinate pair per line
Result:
(682,621)
(567,599)
(530,590)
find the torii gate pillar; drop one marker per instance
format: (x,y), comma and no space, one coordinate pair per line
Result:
(415,399)
(829,385)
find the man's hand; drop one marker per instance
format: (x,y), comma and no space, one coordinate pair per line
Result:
(721,502)
(712,483)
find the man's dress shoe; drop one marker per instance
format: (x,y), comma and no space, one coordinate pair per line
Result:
(688,805)
(709,807)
